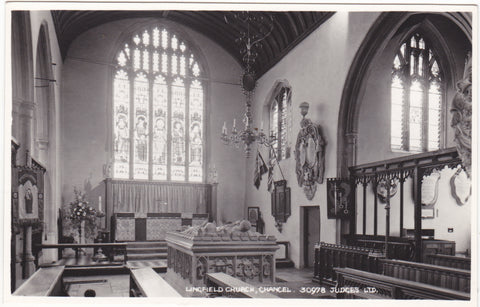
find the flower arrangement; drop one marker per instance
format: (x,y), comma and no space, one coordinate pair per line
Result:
(81,210)
(78,211)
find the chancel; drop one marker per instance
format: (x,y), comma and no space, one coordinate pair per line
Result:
(264,154)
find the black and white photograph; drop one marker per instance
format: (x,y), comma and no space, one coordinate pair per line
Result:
(220,152)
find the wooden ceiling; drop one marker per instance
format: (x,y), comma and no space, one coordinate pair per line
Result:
(289,29)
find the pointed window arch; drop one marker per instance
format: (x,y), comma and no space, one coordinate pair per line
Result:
(417,98)
(280,122)
(158,109)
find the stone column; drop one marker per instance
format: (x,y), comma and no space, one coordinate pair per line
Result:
(23,126)
(28,264)
(351,149)
(18,260)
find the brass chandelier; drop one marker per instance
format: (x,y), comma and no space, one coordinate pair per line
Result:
(257,29)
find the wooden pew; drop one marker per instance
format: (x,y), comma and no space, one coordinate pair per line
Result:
(463,263)
(329,256)
(398,247)
(241,288)
(145,282)
(355,282)
(44,282)
(450,278)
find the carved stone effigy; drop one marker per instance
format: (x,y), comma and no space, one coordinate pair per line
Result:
(233,249)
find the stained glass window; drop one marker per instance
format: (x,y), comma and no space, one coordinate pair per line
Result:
(417,98)
(280,122)
(121,128)
(158,109)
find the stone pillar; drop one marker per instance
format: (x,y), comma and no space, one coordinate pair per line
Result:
(28,264)
(23,126)
(18,260)
(351,149)
(49,255)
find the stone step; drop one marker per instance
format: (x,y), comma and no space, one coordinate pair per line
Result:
(147,256)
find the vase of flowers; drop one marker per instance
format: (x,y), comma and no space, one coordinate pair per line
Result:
(81,217)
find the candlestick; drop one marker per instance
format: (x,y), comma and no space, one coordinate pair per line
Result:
(224,129)
(234,121)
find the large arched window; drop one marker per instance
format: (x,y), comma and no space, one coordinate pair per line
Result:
(280,122)
(417,98)
(158,109)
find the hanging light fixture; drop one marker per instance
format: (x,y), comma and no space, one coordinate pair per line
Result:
(255,29)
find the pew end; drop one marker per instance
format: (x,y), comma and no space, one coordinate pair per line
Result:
(145,282)
(44,282)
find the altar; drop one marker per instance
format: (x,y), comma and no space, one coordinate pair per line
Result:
(140,226)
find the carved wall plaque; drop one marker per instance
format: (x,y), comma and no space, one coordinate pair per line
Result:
(462,116)
(382,189)
(461,187)
(309,155)
(430,188)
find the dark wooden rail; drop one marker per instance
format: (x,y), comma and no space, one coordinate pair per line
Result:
(330,256)
(390,287)
(450,278)
(397,171)
(112,249)
(145,282)
(44,282)
(241,288)
(398,247)
(449,261)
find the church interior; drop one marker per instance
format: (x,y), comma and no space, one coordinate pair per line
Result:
(278,154)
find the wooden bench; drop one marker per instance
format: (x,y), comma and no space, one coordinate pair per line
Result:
(238,288)
(145,282)
(445,277)
(463,263)
(329,256)
(353,281)
(399,247)
(44,282)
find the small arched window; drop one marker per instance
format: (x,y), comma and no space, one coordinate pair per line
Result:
(158,109)
(417,98)
(280,122)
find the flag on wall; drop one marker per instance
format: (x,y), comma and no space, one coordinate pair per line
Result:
(260,169)
(271,164)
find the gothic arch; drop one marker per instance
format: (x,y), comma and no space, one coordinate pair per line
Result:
(380,35)
(277,87)
(45,127)
(173,27)
(44,95)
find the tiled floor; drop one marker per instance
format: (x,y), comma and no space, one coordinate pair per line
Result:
(103,285)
